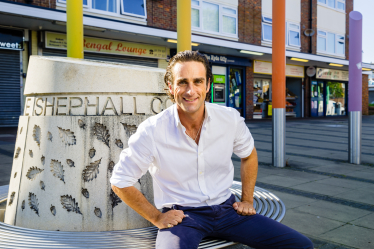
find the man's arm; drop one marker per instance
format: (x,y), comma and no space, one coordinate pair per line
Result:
(136,200)
(248,173)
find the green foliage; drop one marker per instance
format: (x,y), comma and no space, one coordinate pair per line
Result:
(336,90)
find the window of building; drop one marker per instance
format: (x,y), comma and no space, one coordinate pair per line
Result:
(267,29)
(330,43)
(213,18)
(335,4)
(117,7)
(293,34)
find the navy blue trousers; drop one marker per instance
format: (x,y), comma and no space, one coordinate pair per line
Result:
(223,222)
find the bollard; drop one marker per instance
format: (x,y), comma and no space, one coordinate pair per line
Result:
(279,83)
(355,87)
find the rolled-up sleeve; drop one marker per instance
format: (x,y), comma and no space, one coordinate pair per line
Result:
(134,161)
(243,142)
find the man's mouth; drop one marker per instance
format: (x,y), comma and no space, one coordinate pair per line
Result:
(189,99)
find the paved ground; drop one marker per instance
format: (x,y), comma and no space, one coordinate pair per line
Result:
(327,199)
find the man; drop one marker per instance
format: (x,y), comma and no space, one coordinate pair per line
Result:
(187,150)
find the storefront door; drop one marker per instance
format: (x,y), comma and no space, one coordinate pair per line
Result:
(317,101)
(336,104)
(235,85)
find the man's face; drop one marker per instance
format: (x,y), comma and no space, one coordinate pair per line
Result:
(189,87)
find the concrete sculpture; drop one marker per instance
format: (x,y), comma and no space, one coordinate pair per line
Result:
(78,116)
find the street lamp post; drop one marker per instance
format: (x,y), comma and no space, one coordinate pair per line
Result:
(74,28)
(184,25)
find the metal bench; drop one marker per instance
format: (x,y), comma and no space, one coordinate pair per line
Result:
(265,203)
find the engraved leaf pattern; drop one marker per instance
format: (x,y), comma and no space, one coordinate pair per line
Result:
(111,166)
(57,169)
(11,198)
(49,135)
(42,159)
(97,212)
(85,193)
(67,136)
(33,172)
(37,134)
(33,203)
(81,124)
(53,210)
(101,133)
(23,205)
(31,154)
(114,199)
(17,152)
(70,162)
(130,129)
(91,171)
(69,204)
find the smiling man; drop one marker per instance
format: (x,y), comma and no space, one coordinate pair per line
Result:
(187,149)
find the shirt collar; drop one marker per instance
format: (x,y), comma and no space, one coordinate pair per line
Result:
(207,117)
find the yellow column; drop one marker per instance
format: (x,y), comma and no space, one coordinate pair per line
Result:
(184,25)
(74,28)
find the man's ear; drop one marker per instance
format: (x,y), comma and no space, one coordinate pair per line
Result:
(170,86)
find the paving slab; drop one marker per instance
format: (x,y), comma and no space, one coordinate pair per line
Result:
(301,175)
(320,188)
(363,174)
(345,183)
(283,181)
(293,201)
(366,221)
(362,196)
(333,211)
(351,235)
(309,224)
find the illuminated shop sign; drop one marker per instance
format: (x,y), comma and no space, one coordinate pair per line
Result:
(11,39)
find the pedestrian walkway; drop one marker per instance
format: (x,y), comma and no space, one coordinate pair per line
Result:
(327,199)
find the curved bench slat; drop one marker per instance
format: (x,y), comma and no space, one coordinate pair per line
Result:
(265,203)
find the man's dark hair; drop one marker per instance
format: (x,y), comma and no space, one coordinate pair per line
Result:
(185,56)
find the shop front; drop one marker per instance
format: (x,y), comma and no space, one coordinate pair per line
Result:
(11,47)
(262,90)
(329,93)
(229,81)
(55,44)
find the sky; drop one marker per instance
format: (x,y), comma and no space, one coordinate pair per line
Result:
(366,8)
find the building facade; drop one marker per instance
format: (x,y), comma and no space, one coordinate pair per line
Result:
(235,35)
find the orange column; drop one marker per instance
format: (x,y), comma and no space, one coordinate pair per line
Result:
(279,54)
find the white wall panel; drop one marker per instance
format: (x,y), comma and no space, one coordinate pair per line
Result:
(293,9)
(233,3)
(330,20)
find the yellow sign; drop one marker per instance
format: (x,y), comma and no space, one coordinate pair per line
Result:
(265,67)
(99,45)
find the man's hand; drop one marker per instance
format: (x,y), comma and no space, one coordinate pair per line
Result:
(169,219)
(244,208)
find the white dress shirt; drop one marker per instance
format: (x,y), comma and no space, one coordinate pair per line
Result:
(183,172)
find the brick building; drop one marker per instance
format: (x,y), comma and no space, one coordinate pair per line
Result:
(236,36)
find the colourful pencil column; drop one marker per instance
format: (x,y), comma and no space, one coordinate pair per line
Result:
(355,86)
(74,28)
(184,25)
(279,82)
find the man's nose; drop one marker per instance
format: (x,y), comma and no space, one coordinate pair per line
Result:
(190,89)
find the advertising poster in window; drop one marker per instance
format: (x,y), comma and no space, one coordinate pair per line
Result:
(105,46)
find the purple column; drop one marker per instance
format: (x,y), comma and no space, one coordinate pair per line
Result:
(355,87)
(355,62)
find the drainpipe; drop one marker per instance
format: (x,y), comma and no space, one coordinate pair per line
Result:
(311,25)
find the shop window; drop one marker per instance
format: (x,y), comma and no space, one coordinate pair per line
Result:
(134,8)
(267,29)
(330,43)
(293,34)
(213,18)
(334,4)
